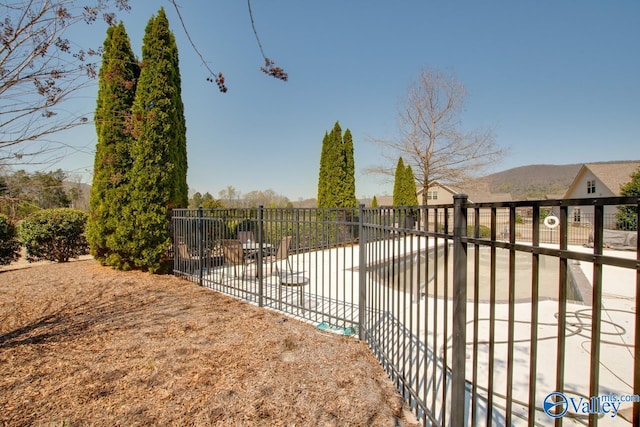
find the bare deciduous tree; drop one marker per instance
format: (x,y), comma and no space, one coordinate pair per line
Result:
(230,196)
(40,68)
(432,140)
(267,198)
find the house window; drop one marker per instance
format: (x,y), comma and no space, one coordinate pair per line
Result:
(591,187)
(576,215)
(432,195)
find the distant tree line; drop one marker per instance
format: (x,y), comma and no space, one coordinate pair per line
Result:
(231,198)
(22,193)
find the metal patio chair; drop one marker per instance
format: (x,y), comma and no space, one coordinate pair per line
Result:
(234,256)
(281,254)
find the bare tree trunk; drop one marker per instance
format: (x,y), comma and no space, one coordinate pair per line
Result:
(432,139)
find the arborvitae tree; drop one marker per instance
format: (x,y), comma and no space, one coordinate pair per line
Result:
(158,174)
(336,183)
(323,190)
(404,194)
(398,184)
(627,216)
(348,199)
(374,202)
(116,90)
(404,186)
(411,188)
(331,179)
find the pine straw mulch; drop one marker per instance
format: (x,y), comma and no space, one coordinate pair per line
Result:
(81,344)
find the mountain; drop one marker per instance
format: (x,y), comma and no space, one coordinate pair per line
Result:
(532,181)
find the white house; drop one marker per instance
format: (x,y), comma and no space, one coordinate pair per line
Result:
(596,180)
(441,194)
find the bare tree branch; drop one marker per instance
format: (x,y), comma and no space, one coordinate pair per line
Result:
(269,67)
(40,69)
(431,139)
(218,78)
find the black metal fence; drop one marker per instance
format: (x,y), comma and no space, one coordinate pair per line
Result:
(478,319)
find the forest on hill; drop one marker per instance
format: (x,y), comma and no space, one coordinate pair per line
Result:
(533,181)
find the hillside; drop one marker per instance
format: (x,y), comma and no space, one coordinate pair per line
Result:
(533,180)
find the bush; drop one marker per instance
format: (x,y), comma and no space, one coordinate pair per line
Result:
(484,231)
(54,235)
(9,243)
(627,218)
(247,225)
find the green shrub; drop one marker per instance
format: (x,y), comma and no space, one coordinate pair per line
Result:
(247,225)
(484,231)
(9,243)
(54,235)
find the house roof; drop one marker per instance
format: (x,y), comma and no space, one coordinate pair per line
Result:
(478,191)
(611,174)
(434,184)
(385,200)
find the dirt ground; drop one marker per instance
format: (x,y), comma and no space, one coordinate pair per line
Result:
(82,344)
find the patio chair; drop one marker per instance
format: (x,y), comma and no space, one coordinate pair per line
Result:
(234,256)
(281,254)
(289,282)
(186,260)
(247,237)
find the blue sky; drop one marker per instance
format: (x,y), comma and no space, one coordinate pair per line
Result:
(557,81)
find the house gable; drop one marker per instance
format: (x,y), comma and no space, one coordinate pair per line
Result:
(600,179)
(439,194)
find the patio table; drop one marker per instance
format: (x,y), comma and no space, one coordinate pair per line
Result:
(295,280)
(253,247)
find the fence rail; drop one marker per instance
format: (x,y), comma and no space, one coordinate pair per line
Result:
(478,314)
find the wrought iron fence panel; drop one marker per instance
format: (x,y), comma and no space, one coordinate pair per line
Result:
(478,312)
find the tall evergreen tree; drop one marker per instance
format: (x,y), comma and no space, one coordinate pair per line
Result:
(336,182)
(398,184)
(348,199)
(323,189)
(411,188)
(158,175)
(404,186)
(116,90)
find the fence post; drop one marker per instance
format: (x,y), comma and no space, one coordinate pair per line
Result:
(259,260)
(200,247)
(362,276)
(458,368)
